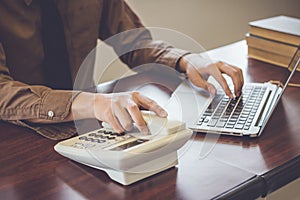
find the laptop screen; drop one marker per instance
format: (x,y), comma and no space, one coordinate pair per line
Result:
(283,83)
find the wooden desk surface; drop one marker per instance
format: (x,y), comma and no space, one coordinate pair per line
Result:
(236,167)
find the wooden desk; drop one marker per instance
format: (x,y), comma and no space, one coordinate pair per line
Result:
(236,168)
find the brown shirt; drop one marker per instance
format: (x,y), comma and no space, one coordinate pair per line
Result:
(33,88)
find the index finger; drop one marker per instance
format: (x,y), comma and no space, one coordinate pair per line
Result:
(217,74)
(137,117)
(235,74)
(150,104)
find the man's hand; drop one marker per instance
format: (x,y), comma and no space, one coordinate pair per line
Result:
(120,110)
(192,64)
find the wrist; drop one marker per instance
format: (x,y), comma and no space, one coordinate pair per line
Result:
(182,64)
(83,106)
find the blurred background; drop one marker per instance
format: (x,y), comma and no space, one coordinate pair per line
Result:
(211,23)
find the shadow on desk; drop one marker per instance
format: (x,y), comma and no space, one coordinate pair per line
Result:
(92,182)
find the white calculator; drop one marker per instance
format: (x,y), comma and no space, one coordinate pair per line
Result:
(129,157)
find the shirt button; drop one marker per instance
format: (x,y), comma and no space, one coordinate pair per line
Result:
(50,114)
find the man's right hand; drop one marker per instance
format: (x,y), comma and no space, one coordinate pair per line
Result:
(192,65)
(120,110)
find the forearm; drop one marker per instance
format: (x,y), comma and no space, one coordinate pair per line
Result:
(151,51)
(132,42)
(20,101)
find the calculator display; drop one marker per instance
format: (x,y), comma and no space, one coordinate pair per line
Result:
(129,144)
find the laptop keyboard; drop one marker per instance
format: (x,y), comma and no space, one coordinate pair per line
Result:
(236,113)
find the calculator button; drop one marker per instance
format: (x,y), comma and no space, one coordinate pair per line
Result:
(111,137)
(92,134)
(100,141)
(79,145)
(106,132)
(98,136)
(82,138)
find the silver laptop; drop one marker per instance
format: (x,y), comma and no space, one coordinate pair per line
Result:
(246,115)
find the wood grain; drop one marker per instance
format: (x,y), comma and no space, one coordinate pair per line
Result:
(235,168)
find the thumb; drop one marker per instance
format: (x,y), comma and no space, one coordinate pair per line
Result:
(199,81)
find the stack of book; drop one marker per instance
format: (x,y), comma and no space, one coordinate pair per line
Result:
(274,40)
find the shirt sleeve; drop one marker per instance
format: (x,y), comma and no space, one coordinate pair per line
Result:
(131,40)
(20,102)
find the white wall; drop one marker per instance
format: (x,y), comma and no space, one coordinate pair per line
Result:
(212,23)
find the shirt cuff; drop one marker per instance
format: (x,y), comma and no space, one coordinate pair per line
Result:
(57,131)
(172,56)
(56,104)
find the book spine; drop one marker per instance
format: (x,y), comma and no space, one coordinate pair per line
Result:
(294,61)
(268,57)
(271,46)
(274,35)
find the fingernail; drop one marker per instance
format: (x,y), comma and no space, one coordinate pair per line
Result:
(144,130)
(163,113)
(211,90)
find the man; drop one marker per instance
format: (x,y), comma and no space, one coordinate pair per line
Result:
(44,42)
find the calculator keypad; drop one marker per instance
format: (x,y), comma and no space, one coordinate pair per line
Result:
(100,138)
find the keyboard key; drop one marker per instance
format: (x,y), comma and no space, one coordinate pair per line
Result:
(233,120)
(212,122)
(223,120)
(220,124)
(229,126)
(215,102)
(239,126)
(202,119)
(241,121)
(234,116)
(235,113)
(207,114)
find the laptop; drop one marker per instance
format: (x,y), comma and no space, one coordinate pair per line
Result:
(246,115)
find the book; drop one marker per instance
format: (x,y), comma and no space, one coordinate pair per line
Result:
(271,46)
(280,28)
(269,57)
(294,61)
